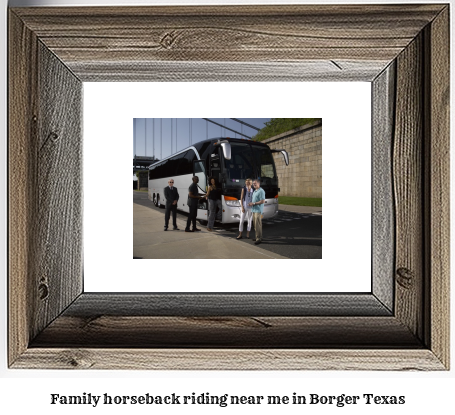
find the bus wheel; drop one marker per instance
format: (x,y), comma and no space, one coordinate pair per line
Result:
(203,222)
(158,204)
(154,199)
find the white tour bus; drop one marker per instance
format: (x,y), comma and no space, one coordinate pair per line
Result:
(230,161)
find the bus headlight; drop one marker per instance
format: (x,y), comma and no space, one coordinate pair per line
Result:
(231,201)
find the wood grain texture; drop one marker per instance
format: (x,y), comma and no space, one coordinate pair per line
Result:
(45,190)
(438,254)
(89,305)
(139,71)
(53,49)
(235,359)
(58,193)
(408,188)
(145,35)
(257,332)
(383,214)
(22,94)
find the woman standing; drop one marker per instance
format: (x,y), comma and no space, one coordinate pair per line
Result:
(214,198)
(246,198)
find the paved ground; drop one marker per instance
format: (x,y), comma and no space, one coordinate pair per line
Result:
(296,232)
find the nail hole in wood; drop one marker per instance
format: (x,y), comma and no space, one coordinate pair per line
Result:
(405,277)
(43,291)
(53,136)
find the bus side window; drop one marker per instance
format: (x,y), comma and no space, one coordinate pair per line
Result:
(173,166)
(182,165)
(161,170)
(186,166)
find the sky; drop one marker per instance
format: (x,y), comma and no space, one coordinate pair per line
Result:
(152,136)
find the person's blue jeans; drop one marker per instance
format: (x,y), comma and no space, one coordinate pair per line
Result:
(213,204)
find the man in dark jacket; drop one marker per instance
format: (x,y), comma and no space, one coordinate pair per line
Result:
(172,196)
(193,199)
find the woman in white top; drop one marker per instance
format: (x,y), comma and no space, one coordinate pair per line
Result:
(246,197)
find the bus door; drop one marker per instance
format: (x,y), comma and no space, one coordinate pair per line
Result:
(215,167)
(200,171)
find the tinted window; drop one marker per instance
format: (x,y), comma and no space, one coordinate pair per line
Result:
(181,166)
(186,163)
(203,149)
(172,166)
(240,166)
(264,162)
(265,166)
(175,166)
(158,171)
(153,172)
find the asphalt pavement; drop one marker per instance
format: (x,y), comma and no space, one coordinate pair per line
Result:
(296,232)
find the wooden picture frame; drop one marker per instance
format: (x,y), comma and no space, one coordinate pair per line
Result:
(403,324)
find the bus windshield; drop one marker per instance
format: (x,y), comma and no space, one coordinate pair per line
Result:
(265,165)
(249,161)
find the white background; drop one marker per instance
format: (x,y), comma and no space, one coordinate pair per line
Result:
(109,109)
(28,391)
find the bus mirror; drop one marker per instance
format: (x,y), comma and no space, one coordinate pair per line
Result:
(284,153)
(286,157)
(226,150)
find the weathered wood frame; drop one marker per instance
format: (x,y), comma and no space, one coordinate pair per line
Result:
(403,50)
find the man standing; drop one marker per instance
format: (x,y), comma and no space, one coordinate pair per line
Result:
(257,208)
(172,196)
(192,202)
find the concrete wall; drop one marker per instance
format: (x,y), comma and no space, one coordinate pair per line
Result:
(303,176)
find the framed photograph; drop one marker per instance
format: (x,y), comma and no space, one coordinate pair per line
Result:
(402,324)
(293,233)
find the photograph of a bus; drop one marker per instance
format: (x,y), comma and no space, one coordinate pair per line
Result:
(230,161)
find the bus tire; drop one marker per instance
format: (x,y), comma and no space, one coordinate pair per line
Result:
(158,203)
(154,199)
(203,222)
